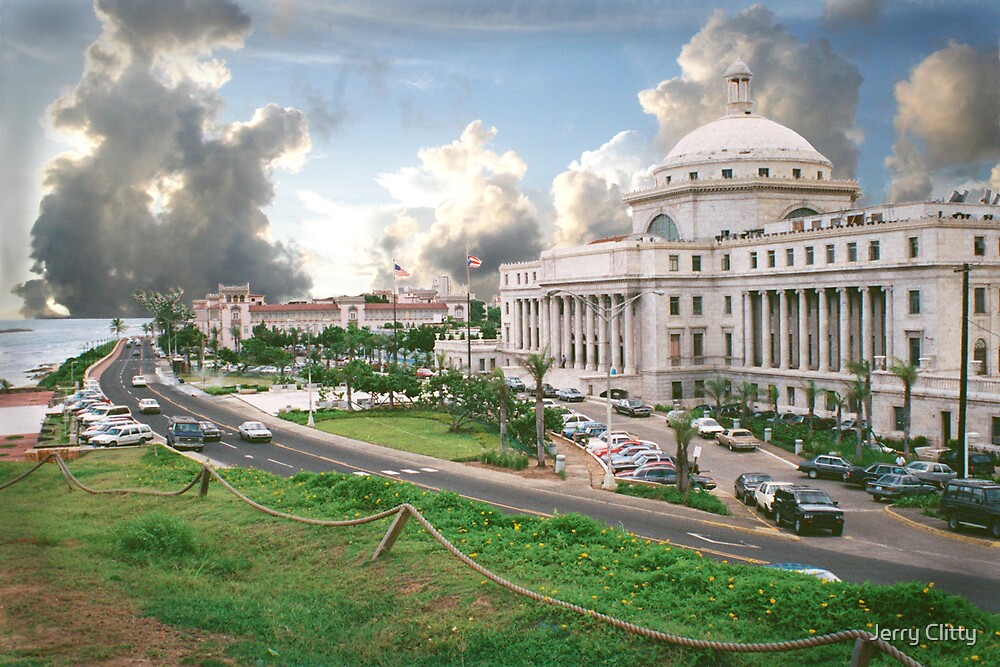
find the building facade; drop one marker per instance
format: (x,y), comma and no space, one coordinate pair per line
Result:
(747,261)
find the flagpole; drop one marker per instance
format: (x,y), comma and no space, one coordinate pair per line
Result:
(395,348)
(468,309)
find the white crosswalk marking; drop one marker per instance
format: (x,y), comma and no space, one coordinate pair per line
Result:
(410,472)
(428,469)
(390,472)
(361,473)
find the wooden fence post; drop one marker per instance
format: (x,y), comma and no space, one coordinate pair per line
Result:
(205,476)
(394,530)
(864,651)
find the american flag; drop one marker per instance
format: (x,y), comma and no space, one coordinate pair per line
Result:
(400,273)
(474,262)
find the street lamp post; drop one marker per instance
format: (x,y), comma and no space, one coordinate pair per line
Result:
(309,377)
(606,314)
(72,373)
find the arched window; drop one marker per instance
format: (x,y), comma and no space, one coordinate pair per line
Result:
(800,212)
(664,227)
(979,354)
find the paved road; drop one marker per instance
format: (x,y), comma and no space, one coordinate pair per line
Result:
(874,548)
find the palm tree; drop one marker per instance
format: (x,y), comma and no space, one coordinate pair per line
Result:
(718,389)
(907,373)
(812,391)
(684,431)
(5,385)
(746,394)
(237,337)
(856,395)
(862,390)
(500,384)
(118,326)
(839,402)
(538,364)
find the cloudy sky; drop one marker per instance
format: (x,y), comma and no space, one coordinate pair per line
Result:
(301,145)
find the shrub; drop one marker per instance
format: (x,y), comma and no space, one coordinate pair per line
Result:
(154,536)
(512,460)
(928,500)
(700,500)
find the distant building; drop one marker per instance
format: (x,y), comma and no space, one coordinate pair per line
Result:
(771,277)
(225,315)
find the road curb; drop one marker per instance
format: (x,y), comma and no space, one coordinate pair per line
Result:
(944,533)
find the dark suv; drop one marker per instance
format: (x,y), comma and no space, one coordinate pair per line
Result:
(975,502)
(185,433)
(979,464)
(805,509)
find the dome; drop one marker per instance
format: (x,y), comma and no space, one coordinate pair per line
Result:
(746,137)
(738,68)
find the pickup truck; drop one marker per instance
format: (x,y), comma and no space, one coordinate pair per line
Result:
(737,438)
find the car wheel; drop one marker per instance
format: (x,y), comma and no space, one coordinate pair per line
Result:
(799,528)
(995,529)
(812,474)
(837,532)
(778,519)
(730,448)
(875,498)
(846,476)
(953,521)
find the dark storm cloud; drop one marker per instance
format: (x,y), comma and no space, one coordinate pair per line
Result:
(162,196)
(35,294)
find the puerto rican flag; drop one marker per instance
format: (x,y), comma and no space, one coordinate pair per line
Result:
(474,262)
(399,272)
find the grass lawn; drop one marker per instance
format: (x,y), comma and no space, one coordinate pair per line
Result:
(180,580)
(415,432)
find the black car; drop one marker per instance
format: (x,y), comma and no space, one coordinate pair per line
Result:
(667,475)
(974,502)
(806,509)
(633,407)
(826,465)
(861,476)
(979,464)
(210,431)
(747,483)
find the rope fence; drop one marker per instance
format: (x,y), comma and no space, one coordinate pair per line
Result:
(865,643)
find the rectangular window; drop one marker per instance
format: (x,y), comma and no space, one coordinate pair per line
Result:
(729,347)
(914,342)
(677,390)
(831,254)
(696,305)
(852,252)
(696,262)
(699,388)
(790,392)
(914,302)
(796,173)
(979,300)
(874,251)
(675,349)
(727,173)
(979,246)
(668,179)
(771,261)
(506,279)
(728,307)
(810,256)
(726,262)
(764,172)
(693,175)
(675,305)
(899,417)
(914,247)
(675,262)
(698,348)
(789,256)
(753,260)
(819,175)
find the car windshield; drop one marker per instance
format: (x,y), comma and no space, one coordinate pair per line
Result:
(255,425)
(187,429)
(993,495)
(815,498)
(754,479)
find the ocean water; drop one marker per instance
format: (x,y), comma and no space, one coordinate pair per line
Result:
(51,342)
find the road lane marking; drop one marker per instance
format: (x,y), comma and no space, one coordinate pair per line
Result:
(390,472)
(280,463)
(409,472)
(228,445)
(728,544)
(247,456)
(775,456)
(428,469)
(361,473)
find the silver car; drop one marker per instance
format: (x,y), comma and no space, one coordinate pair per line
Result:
(932,472)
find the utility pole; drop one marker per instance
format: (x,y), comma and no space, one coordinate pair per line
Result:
(963,382)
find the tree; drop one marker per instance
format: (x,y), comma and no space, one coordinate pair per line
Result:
(684,431)
(862,390)
(118,326)
(538,364)
(166,308)
(839,402)
(856,395)
(907,373)
(227,356)
(746,394)
(464,398)
(355,373)
(499,385)
(237,337)
(5,385)
(477,311)
(812,391)
(717,389)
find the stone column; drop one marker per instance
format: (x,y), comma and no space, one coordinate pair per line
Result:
(616,332)
(543,324)
(803,329)
(890,347)
(602,333)
(823,330)
(578,331)
(590,362)
(630,361)
(765,322)
(844,345)
(746,333)
(565,329)
(784,311)
(555,338)
(532,325)
(866,309)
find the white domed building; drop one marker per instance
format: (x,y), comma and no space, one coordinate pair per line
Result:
(747,261)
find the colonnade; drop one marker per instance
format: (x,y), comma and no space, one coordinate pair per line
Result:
(822,329)
(575,331)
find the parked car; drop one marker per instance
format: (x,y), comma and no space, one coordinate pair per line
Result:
(254,431)
(184,432)
(138,380)
(937,474)
(972,502)
(514,384)
(792,418)
(547,391)
(668,475)
(106,410)
(747,483)
(764,496)
(123,434)
(632,407)
(825,465)
(979,463)
(806,509)
(737,438)
(210,431)
(104,425)
(707,427)
(424,373)
(149,406)
(585,432)
(570,395)
(897,486)
(861,476)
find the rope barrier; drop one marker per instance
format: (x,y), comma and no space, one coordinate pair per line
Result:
(865,641)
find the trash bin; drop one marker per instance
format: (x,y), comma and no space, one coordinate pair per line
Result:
(767,435)
(798,446)
(560,463)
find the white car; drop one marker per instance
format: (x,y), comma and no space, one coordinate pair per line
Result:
(138,380)
(126,434)
(104,425)
(149,406)
(707,427)
(254,432)
(764,496)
